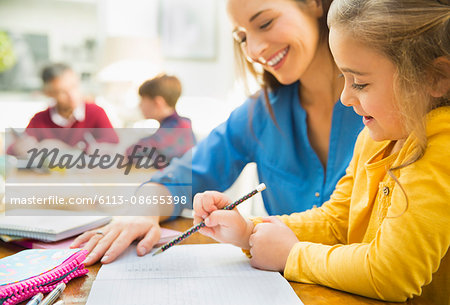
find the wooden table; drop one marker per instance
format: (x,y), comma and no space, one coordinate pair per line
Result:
(77,290)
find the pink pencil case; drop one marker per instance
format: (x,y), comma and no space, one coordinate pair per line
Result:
(29,272)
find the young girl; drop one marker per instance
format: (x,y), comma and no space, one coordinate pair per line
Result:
(385,231)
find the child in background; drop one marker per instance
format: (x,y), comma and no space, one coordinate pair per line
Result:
(385,231)
(174,137)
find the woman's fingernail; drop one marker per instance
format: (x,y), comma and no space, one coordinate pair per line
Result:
(87,259)
(207,221)
(104,258)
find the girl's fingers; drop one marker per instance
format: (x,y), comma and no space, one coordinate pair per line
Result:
(199,211)
(197,220)
(207,231)
(221,217)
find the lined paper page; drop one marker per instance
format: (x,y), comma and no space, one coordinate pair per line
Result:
(189,274)
(186,261)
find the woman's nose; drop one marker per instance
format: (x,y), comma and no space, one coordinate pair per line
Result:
(255,47)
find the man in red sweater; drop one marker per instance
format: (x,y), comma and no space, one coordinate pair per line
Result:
(69,122)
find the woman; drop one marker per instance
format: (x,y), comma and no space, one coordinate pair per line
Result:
(295,129)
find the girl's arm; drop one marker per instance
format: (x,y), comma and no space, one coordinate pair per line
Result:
(273,238)
(407,248)
(327,224)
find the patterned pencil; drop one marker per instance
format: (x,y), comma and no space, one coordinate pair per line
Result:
(195,228)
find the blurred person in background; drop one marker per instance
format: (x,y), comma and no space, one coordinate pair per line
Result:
(174,137)
(69,121)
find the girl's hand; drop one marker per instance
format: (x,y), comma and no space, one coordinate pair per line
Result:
(222,225)
(270,244)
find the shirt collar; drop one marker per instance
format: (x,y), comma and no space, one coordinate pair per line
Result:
(171,117)
(78,114)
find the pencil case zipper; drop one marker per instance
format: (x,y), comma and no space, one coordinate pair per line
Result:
(27,293)
(72,267)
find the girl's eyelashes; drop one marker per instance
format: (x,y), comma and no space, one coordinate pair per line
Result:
(359,86)
(351,79)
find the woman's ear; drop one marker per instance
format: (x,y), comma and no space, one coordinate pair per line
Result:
(440,82)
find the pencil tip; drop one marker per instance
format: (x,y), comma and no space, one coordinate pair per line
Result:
(157,252)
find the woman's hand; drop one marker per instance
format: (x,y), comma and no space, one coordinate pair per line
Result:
(117,236)
(226,226)
(270,244)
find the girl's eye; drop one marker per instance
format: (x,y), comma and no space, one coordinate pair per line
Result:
(266,24)
(359,86)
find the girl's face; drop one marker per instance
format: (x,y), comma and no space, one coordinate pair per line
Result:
(369,85)
(281,35)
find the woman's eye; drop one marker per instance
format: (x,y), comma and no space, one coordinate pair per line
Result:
(266,24)
(359,86)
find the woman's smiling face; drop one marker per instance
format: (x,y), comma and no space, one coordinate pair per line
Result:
(281,35)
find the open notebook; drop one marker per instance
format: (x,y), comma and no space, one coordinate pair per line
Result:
(50,228)
(212,274)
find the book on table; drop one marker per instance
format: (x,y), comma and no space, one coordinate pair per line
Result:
(50,226)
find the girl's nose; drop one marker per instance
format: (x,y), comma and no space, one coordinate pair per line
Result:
(347,97)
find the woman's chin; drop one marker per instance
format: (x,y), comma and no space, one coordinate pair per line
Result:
(286,80)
